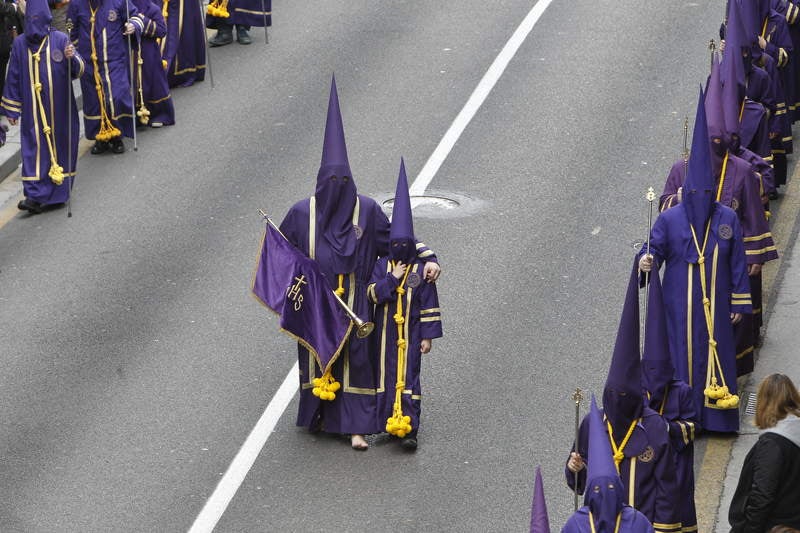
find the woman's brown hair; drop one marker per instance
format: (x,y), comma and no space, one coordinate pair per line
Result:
(777,397)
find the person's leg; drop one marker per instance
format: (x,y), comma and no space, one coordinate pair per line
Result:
(224,35)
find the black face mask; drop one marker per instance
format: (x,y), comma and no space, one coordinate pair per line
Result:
(719,148)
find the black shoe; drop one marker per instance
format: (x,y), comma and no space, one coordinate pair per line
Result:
(31,206)
(409,443)
(773,195)
(99,147)
(242,36)
(224,36)
(117,146)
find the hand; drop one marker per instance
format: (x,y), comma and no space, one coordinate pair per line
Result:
(736,318)
(722,45)
(129,29)
(431,271)
(762,43)
(425,346)
(575,463)
(646,263)
(680,194)
(69,51)
(12,121)
(754,269)
(399,269)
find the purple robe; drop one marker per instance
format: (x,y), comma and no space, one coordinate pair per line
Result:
(244,13)
(150,75)
(422,321)
(631,521)
(647,471)
(183,48)
(18,103)
(677,409)
(728,289)
(112,60)
(354,409)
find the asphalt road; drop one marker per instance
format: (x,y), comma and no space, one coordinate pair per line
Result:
(135,361)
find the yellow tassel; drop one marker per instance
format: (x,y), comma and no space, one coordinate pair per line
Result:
(164,64)
(56,174)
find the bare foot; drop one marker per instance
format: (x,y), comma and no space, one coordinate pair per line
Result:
(358,442)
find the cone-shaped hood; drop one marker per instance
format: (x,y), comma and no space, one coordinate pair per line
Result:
(604,494)
(698,188)
(733,80)
(37,21)
(622,396)
(401,234)
(539,521)
(336,192)
(715,117)
(657,369)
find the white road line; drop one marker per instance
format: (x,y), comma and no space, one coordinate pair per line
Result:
(233,478)
(208,518)
(477,98)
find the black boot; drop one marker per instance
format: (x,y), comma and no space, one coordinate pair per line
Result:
(31,206)
(117,146)
(99,147)
(224,35)
(242,36)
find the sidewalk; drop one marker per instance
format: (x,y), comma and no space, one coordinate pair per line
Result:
(780,351)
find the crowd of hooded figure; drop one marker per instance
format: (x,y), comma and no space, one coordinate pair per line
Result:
(128,54)
(700,270)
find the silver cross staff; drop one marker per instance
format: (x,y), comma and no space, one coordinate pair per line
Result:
(650,196)
(577,397)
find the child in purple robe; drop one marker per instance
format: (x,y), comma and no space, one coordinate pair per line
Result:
(101,31)
(184,47)
(407,318)
(153,100)
(38,93)
(345,232)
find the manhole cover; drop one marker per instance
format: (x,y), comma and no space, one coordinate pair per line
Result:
(436,205)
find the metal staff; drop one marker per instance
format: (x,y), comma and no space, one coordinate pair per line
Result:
(205,43)
(363,328)
(130,68)
(264,12)
(69,123)
(712,47)
(577,397)
(650,196)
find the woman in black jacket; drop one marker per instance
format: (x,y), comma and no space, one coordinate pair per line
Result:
(768,494)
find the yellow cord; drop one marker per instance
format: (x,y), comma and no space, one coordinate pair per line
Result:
(107,130)
(143,113)
(619,450)
(218,8)
(399,424)
(56,172)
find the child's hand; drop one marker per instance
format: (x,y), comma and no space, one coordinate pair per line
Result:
(399,269)
(425,346)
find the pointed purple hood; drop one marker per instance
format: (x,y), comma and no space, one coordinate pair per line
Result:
(657,369)
(715,118)
(698,187)
(401,234)
(539,520)
(336,192)
(622,396)
(604,494)
(37,21)
(733,80)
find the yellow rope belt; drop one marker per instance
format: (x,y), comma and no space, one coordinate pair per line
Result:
(399,424)
(619,454)
(107,130)
(724,399)
(56,172)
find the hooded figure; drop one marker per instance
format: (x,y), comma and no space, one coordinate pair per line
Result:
(539,520)
(604,506)
(49,154)
(671,398)
(407,318)
(345,233)
(700,242)
(637,435)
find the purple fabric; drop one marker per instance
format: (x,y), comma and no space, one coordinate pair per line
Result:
(605,494)
(401,234)
(631,521)
(19,103)
(155,89)
(657,368)
(292,285)
(112,60)
(753,132)
(698,187)
(244,13)
(184,45)
(37,21)
(336,191)
(622,395)
(539,520)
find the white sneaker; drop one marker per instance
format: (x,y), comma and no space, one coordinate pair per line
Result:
(156,124)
